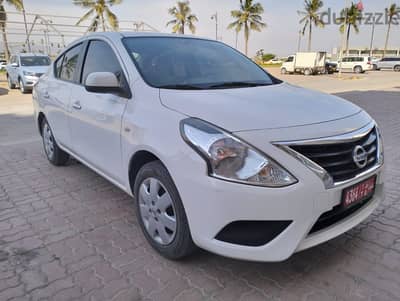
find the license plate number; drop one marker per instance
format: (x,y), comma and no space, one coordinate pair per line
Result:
(358,193)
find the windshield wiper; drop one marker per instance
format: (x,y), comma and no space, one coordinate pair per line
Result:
(181,87)
(238,85)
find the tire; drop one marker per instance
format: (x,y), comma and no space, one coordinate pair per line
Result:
(10,84)
(53,152)
(22,87)
(396,68)
(358,69)
(307,72)
(375,67)
(283,71)
(152,184)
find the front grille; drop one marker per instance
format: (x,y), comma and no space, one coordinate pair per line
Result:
(337,158)
(38,74)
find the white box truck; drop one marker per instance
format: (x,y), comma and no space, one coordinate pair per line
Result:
(306,63)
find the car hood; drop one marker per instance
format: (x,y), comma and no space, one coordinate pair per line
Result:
(36,69)
(264,107)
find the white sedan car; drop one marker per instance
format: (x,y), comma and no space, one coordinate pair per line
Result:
(218,153)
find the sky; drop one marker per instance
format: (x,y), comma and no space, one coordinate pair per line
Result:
(280,36)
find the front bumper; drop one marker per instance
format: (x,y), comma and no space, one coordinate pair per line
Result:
(29,81)
(213,204)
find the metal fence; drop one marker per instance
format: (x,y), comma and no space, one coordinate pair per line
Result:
(49,34)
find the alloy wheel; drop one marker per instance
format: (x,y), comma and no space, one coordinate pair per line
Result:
(48,141)
(157,211)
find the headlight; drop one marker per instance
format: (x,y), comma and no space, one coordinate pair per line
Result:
(228,158)
(29,73)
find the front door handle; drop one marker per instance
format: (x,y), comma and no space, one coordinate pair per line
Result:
(46,94)
(76,105)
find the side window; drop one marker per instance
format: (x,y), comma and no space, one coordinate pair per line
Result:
(290,59)
(70,63)
(101,58)
(345,60)
(57,67)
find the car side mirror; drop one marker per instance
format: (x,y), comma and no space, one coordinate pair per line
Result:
(102,82)
(14,65)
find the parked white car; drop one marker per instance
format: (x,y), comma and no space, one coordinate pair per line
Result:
(3,65)
(218,153)
(356,64)
(25,69)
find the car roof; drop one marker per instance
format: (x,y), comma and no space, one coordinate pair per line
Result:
(129,34)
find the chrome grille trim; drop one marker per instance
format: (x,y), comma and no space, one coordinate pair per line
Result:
(329,182)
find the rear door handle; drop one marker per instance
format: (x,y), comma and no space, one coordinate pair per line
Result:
(76,105)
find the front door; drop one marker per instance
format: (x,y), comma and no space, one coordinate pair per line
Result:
(96,118)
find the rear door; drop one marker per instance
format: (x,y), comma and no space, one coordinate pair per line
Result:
(96,118)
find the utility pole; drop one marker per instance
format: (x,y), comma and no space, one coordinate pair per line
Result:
(215,17)
(26,27)
(299,43)
(372,37)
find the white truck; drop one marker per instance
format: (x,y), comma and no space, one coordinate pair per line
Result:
(306,63)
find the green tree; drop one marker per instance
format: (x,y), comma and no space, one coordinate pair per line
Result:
(3,22)
(350,18)
(392,11)
(102,13)
(249,18)
(183,16)
(311,16)
(268,56)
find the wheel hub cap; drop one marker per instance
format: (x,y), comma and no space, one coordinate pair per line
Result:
(157,211)
(48,141)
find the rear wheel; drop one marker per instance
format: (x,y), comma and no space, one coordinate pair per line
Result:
(397,68)
(161,213)
(358,69)
(10,84)
(54,153)
(307,72)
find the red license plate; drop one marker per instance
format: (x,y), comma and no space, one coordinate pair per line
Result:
(358,193)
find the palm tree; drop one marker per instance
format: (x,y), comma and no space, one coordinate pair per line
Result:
(102,14)
(311,15)
(350,17)
(249,17)
(392,11)
(183,16)
(3,19)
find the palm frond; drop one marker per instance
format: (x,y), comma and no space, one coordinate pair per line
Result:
(18,4)
(85,16)
(111,19)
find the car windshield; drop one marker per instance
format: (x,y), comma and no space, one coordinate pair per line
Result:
(35,61)
(191,64)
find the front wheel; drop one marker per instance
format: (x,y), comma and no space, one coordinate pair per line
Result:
(54,153)
(161,213)
(22,87)
(283,71)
